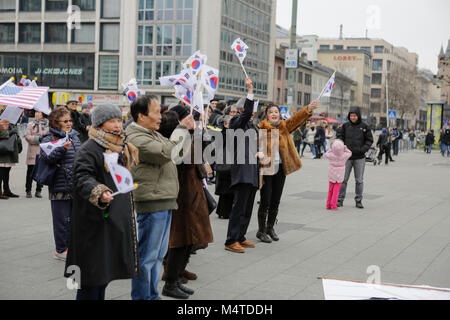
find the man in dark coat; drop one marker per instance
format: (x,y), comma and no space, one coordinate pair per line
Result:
(319,139)
(244,176)
(77,123)
(85,123)
(357,136)
(103,244)
(429,141)
(384,145)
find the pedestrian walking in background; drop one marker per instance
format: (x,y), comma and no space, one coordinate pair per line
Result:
(8,159)
(358,138)
(157,177)
(297,136)
(309,139)
(338,156)
(319,139)
(276,166)
(429,141)
(397,137)
(330,135)
(35,131)
(103,240)
(383,145)
(77,123)
(60,188)
(85,121)
(412,137)
(445,142)
(24,123)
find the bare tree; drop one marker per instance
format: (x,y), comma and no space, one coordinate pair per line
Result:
(404,93)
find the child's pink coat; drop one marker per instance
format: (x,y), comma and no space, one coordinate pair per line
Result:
(338,156)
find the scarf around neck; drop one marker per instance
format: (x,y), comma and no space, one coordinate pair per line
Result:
(113,142)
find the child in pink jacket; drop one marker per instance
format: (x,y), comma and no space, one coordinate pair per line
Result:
(338,156)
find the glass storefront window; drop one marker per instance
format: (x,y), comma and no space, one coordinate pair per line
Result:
(55,33)
(108,76)
(30,5)
(29,33)
(56,5)
(7,32)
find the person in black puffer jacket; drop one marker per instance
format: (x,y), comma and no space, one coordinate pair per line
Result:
(61,188)
(357,136)
(319,139)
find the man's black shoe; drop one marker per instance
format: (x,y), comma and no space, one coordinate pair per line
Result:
(185,289)
(172,290)
(359,205)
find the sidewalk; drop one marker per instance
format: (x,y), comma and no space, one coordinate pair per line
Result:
(404,230)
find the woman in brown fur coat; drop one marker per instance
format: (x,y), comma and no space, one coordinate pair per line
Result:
(280,153)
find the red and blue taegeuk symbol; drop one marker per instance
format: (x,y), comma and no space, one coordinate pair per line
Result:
(180,82)
(131,96)
(196,64)
(187,97)
(239,48)
(213,81)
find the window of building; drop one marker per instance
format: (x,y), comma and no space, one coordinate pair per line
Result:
(307,99)
(324,47)
(307,79)
(299,98)
(85,5)
(185,9)
(146,10)
(7,5)
(164,40)
(375,93)
(144,72)
(165,10)
(7,32)
(163,68)
(183,40)
(110,37)
(388,65)
(367,49)
(375,107)
(338,47)
(29,33)
(285,95)
(110,9)
(286,74)
(376,78)
(108,72)
(55,33)
(367,80)
(145,41)
(352,48)
(278,95)
(56,5)
(352,95)
(377,64)
(300,77)
(86,34)
(279,73)
(30,5)
(379,49)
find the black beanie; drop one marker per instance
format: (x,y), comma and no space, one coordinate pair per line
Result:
(181,111)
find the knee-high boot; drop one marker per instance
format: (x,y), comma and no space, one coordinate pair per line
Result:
(261,234)
(271,221)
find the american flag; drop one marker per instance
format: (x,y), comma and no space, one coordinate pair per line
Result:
(21,97)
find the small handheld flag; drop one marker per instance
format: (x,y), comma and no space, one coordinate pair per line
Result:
(131,90)
(50,146)
(240,49)
(326,92)
(121,176)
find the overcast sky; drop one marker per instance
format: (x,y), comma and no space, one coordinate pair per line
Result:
(421,26)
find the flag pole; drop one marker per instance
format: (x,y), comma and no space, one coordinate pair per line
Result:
(246,75)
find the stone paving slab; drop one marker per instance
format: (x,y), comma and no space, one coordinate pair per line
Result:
(403,230)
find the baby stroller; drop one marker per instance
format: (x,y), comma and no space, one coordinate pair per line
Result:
(371,155)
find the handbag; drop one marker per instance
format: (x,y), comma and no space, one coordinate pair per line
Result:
(7,145)
(211,202)
(43,173)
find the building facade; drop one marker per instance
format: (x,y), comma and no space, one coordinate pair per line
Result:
(384,55)
(302,86)
(169,31)
(82,52)
(356,65)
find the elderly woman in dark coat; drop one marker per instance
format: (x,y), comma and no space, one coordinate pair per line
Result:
(190,222)
(103,234)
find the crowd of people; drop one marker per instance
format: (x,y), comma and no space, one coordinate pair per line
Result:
(150,233)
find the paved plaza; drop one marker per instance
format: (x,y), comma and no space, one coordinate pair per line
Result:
(404,230)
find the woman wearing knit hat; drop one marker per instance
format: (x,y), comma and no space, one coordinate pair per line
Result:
(103,232)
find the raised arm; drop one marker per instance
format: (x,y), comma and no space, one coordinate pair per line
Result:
(299,118)
(240,121)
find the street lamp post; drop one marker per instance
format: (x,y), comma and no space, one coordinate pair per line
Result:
(293,45)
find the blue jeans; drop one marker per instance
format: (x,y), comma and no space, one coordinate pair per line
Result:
(153,236)
(445,147)
(412,144)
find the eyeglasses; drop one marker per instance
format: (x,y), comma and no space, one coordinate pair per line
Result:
(66,121)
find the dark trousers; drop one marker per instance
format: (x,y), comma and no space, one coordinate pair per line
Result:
(61,212)
(387,153)
(271,191)
(4,179)
(298,145)
(225,205)
(318,147)
(395,147)
(241,213)
(29,182)
(91,293)
(176,262)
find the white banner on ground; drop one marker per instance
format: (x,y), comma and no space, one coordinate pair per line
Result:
(12,114)
(335,289)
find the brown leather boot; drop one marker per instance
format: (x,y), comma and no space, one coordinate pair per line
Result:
(3,197)
(188,275)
